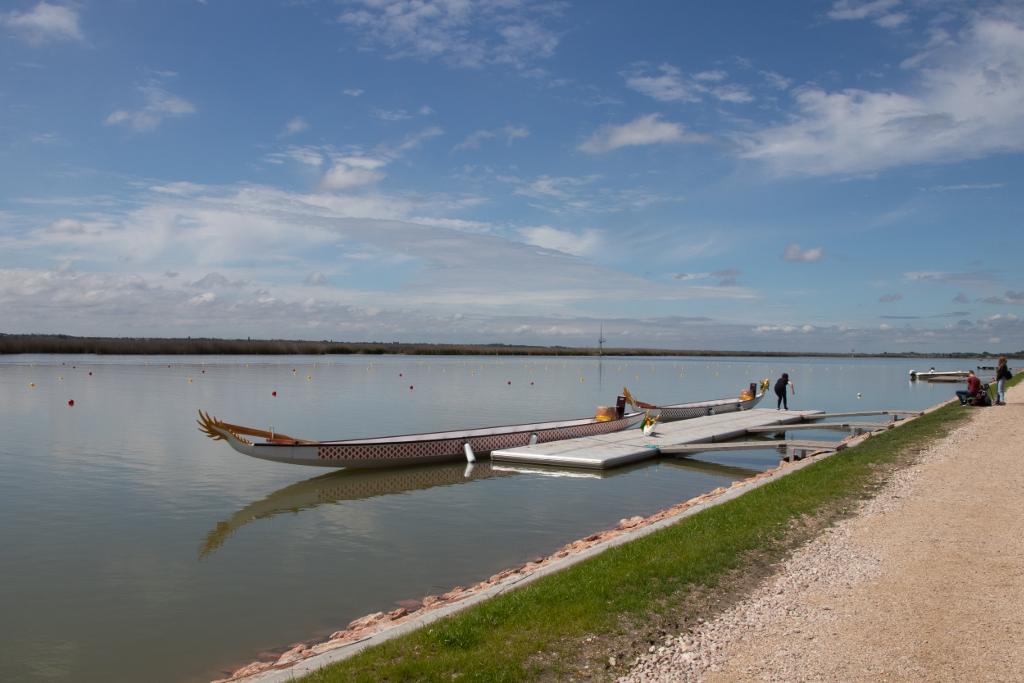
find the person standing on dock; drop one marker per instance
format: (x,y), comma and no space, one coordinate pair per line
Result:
(780,391)
(1002,374)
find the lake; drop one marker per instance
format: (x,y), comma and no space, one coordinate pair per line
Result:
(134,548)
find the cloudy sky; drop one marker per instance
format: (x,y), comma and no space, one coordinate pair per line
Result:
(738,175)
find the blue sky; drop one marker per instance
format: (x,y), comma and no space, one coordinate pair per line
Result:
(738,175)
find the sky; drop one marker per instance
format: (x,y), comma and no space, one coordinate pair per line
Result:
(794,176)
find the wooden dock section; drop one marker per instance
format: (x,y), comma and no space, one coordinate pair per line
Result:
(620,448)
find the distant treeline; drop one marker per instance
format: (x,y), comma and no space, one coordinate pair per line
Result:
(60,343)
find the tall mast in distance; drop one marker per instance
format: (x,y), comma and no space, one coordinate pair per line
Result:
(600,341)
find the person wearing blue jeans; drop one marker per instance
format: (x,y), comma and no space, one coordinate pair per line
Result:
(973,389)
(1002,374)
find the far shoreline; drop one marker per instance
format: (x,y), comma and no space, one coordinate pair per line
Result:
(11,344)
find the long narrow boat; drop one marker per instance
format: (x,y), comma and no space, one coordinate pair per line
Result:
(747,399)
(409,449)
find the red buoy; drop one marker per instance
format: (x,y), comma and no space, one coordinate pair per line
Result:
(273,393)
(71,401)
(90,372)
(410,387)
(510,382)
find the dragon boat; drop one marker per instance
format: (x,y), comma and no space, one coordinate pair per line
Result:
(747,399)
(410,449)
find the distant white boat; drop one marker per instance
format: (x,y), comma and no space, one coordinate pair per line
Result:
(933,375)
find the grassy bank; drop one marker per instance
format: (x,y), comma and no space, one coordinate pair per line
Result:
(540,631)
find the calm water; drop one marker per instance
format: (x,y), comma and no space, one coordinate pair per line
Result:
(133,548)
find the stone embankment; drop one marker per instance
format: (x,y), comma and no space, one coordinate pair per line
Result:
(925,582)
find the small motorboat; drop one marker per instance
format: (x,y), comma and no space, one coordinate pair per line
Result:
(939,376)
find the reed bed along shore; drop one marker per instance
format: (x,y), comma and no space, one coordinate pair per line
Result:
(67,344)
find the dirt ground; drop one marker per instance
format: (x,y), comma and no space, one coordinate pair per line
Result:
(925,582)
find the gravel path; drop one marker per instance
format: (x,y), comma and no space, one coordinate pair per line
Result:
(926,582)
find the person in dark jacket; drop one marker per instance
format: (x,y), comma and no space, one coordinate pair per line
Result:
(780,391)
(1002,374)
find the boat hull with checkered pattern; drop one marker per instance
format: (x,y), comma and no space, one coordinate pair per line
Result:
(409,449)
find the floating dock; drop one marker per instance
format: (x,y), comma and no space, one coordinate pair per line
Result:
(621,448)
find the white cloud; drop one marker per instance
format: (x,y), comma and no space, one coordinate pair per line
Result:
(736,94)
(308,156)
(353,92)
(576,243)
(349,172)
(476,138)
(460,33)
(793,252)
(846,10)
(975,278)
(203,299)
(893,20)
(551,187)
(317,279)
(713,75)
(776,80)
(967,102)
(45,138)
(416,139)
(392,114)
(158,105)
(44,22)
(668,86)
(966,186)
(296,124)
(644,130)
(785,329)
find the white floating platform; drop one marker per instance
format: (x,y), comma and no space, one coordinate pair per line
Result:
(621,448)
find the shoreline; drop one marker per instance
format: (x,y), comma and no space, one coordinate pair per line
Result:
(380,627)
(24,344)
(924,581)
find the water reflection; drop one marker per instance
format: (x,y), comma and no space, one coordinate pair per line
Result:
(343,485)
(706,467)
(570,472)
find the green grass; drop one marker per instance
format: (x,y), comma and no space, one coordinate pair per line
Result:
(501,640)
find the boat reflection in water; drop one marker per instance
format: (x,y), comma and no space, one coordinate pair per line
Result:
(700,466)
(707,467)
(343,485)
